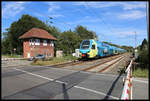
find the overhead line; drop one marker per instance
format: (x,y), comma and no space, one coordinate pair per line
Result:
(100,19)
(46,15)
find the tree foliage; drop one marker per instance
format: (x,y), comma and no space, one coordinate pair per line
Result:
(84,33)
(143,54)
(68,42)
(18,28)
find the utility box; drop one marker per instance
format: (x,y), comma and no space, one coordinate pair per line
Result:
(136,54)
(77,51)
(59,53)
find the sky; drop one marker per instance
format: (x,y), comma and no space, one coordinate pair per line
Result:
(115,22)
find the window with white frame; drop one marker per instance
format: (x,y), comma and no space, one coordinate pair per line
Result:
(37,41)
(31,42)
(44,42)
(51,43)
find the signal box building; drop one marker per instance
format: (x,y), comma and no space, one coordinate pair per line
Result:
(37,41)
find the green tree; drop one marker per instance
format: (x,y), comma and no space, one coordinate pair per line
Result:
(68,42)
(143,55)
(144,44)
(56,33)
(84,33)
(18,28)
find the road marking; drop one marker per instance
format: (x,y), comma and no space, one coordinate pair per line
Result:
(34,74)
(103,74)
(140,81)
(94,91)
(83,88)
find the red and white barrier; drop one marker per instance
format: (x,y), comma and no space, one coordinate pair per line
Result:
(127,90)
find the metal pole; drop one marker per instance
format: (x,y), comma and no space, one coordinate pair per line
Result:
(147,19)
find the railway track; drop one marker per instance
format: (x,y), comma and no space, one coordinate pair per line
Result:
(81,62)
(99,65)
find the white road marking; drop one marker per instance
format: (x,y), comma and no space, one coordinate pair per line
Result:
(139,80)
(61,82)
(112,75)
(34,74)
(94,91)
(83,88)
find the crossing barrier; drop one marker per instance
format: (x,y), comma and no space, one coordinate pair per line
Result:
(127,90)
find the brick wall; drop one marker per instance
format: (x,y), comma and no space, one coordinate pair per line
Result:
(37,49)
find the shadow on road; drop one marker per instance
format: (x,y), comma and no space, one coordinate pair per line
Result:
(65,91)
(112,86)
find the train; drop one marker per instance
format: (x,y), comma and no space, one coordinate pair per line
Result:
(91,48)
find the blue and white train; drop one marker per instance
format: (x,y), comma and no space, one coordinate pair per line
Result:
(91,48)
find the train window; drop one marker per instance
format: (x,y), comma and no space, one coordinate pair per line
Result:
(85,44)
(93,46)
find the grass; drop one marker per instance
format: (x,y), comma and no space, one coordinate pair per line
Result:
(12,56)
(140,73)
(54,60)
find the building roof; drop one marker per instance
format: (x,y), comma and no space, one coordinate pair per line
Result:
(37,33)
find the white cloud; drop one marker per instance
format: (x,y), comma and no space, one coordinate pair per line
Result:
(57,15)
(11,9)
(136,14)
(128,6)
(124,5)
(86,19)
(52,7)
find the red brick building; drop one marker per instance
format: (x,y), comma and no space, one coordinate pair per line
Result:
(37,41)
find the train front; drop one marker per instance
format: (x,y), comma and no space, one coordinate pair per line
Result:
(85,48)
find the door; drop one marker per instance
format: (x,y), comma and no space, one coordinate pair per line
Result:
(28,55)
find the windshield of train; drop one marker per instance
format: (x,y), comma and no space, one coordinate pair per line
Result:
(85,44)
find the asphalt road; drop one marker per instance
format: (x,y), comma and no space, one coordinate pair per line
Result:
(140,88)
(37,82)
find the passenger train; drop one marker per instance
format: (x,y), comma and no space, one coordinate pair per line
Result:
(92,49)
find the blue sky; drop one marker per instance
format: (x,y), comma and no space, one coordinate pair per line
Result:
(114,22)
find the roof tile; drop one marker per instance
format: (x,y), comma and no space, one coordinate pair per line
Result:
(38,33)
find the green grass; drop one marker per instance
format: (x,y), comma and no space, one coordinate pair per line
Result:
(54,60)
(140,73)
(13,56)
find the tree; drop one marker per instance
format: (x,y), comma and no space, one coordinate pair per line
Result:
(56,33)
(83,33)
(68,42)
(18,28)
(143,55)
(144,44)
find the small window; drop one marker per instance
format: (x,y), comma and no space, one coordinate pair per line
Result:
(37,42)
(31,42)
(44,42)
(51,43)
(93,46)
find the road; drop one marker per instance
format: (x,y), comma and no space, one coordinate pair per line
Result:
(20,81)
(37,82)
(140,88)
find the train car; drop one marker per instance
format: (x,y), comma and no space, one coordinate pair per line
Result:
(91,48)
(115,50)
(88,49)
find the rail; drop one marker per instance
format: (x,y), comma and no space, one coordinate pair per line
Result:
(127,89)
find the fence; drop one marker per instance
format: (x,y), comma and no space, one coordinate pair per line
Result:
(127,90)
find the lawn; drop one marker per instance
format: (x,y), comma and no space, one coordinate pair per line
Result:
(140,73)
(11,56)
(54,60)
